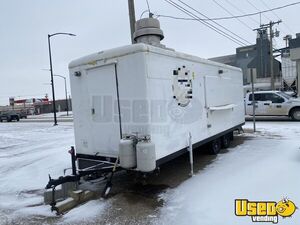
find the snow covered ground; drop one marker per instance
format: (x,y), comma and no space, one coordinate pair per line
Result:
(28,152)
(265,167)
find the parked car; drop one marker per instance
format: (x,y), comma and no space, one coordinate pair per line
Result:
(22,115)
(273,103)
(9,116)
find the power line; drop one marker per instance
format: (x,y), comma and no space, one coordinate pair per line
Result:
(148,6)
(195,17)
(257,9)
(275,14)
(144,13)
(214,22)
(243,12)
(265,4)
(232,14)
(147,10)
(233,17)
(268,8)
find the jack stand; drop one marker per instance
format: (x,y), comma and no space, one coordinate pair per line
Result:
(144,179)
(53,202)
(240,130)
(108,185)
(190,148)
(157,171)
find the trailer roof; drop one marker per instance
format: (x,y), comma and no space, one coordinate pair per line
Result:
(135,48)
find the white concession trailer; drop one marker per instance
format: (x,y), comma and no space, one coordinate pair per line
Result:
(145,104)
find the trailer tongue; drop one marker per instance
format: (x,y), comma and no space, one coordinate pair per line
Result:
(101,170)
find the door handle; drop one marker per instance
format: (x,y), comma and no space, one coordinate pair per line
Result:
(266,103)
(278,106)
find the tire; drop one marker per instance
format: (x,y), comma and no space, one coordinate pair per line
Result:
(215,146)
(225,141)
(295,114)
(18,119)
(231,136)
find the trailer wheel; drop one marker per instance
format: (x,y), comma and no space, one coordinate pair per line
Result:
(215,146)
(231,136)
(226,141)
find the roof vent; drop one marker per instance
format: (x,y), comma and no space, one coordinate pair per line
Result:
(147,30)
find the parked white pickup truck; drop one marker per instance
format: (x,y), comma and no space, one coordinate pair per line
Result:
(273,103)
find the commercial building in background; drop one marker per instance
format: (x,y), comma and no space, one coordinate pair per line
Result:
(255,59)
(289,71)
(35,106)
(294,46)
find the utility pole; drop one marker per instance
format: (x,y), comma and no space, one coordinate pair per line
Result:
(66,92)
(131,18)
(271,33)
(271,57)
(51,71)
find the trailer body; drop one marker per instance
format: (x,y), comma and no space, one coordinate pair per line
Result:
(154,93)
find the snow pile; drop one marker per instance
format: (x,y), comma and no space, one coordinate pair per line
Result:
(261,169)
(50,115)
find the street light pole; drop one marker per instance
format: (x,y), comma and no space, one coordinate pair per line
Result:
(67,102)
(66,92)
(52,82)
(51,71)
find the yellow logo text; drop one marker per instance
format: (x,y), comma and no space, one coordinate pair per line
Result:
(265,211)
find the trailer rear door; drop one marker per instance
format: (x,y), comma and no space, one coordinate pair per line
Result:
(104,111)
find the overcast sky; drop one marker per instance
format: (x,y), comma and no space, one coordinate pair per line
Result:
(100,25)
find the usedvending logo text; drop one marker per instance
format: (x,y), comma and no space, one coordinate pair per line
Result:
(265,211)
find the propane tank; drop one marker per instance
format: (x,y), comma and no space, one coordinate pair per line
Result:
(146,158)
(127,153)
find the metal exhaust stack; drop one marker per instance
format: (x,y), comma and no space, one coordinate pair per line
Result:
(147,30)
